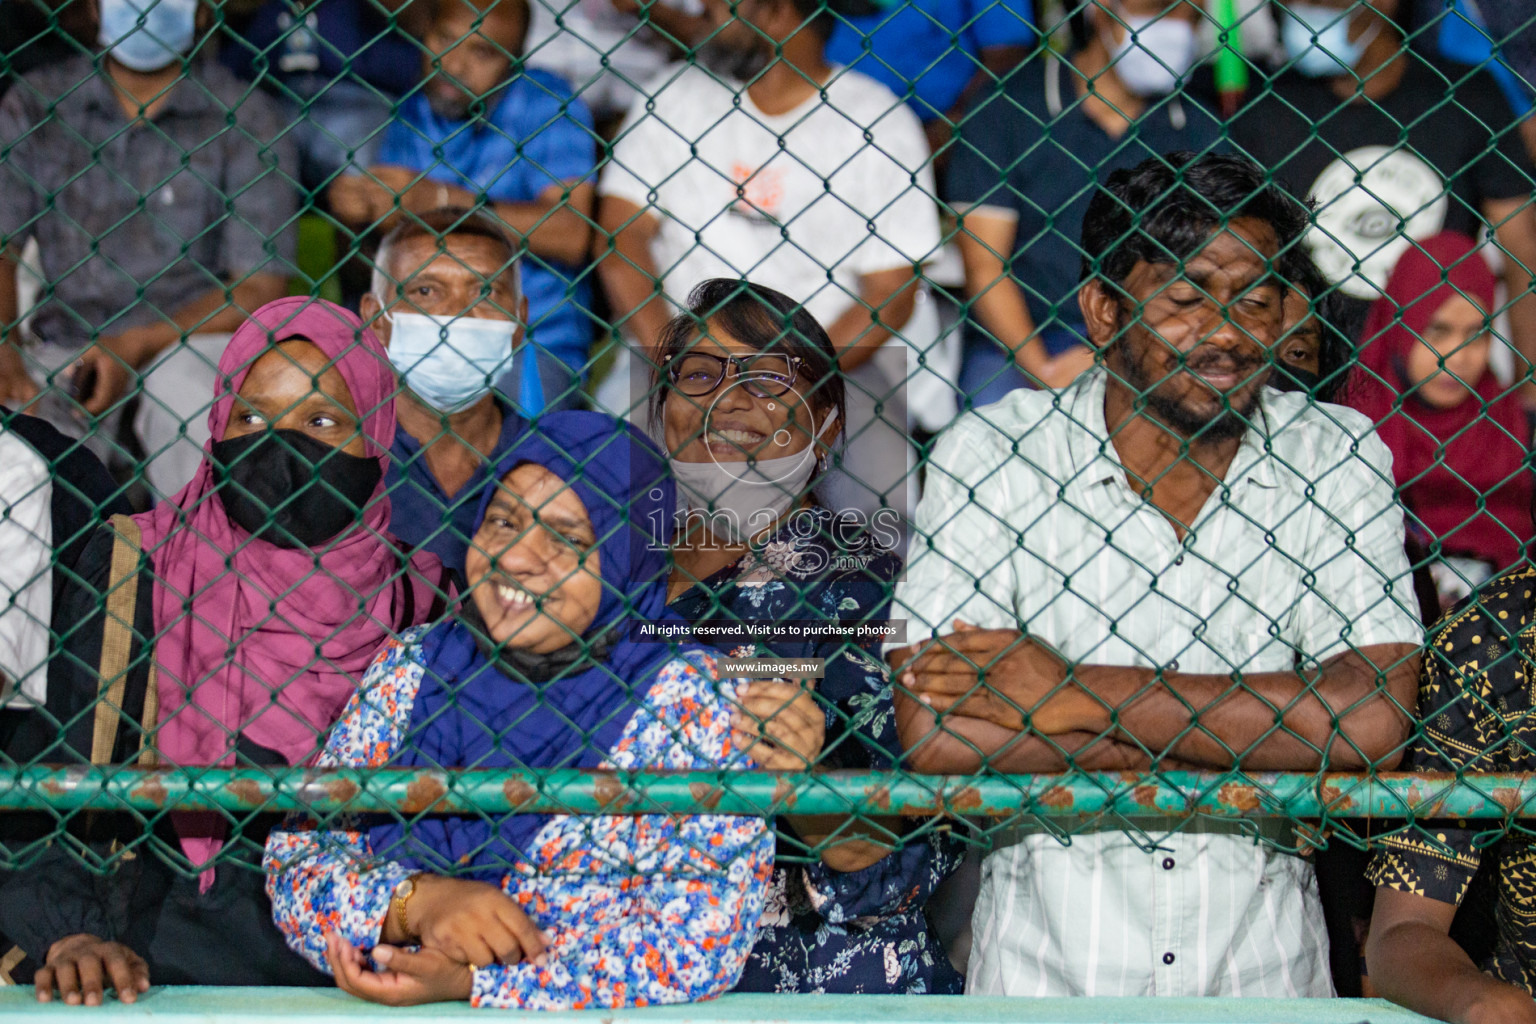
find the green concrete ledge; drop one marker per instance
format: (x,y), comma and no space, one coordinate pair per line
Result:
(196,1005)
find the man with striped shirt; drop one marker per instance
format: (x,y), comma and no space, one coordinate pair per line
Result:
(1166,564)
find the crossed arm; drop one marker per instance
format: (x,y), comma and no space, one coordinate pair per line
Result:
(1033,713)
(556,225)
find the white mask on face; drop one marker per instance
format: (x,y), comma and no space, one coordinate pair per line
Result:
(1155,54)
(739,500)
(1333,53)
(169,28)
(450,363)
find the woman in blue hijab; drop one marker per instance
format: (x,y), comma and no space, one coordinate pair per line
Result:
(544,667)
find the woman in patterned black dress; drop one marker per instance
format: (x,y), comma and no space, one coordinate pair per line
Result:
(749,405)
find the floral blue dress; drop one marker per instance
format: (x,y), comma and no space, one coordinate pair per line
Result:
(825,930)
(643,910)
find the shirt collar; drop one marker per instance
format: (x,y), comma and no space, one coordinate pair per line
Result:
(187,95)
(407,447)
(1093,459)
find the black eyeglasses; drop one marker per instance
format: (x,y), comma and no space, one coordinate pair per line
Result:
(765,375)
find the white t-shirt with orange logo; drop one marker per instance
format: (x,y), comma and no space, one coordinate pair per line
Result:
(840,185)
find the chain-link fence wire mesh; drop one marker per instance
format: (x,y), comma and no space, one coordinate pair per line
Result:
(542,232)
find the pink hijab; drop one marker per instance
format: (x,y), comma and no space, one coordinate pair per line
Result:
(276,638)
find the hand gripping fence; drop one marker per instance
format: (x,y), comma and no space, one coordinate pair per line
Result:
(940,251)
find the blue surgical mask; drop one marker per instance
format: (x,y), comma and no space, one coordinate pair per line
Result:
(1155,54)
(1333,53)
(169,28)
(450,363)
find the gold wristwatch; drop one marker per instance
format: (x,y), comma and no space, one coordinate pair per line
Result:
(403,891)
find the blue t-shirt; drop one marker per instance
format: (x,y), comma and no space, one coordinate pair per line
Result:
(1464,37)
(1030,148)
(420,514)
(932,47)
(538,136)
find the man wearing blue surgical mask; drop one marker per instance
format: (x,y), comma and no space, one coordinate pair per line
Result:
(1023,167)
(1393,145)
(447,302)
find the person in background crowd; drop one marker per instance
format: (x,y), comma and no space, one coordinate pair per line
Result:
(26,583)
(266,588)
(1313,356)
(1163,528)
(1496,35)
(519,143)
(1476,705)
(157,228)
(1459,437)
(609,50)
(26,601)
(936,54)
(544,666)
(1022,171)
(1393,146)
(766,162)
(53,492)
(338,67)
(447,303)
(42,473)
(758,547)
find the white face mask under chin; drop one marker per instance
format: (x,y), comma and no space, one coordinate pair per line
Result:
(739,500)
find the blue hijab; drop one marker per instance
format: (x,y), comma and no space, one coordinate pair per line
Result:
(469,714)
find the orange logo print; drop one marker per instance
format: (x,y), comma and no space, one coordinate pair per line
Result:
(759,190)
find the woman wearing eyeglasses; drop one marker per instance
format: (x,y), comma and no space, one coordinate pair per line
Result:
(749,404)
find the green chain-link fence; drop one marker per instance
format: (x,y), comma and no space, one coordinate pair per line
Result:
(916,178)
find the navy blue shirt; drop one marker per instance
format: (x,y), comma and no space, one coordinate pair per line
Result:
(538,136)
(334,38)
(1031,149)
(421,515)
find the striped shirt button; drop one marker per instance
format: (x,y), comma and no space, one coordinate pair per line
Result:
(1167,863)
(1168,958)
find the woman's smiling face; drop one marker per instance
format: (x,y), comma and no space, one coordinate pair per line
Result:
(729,423)
(533,566)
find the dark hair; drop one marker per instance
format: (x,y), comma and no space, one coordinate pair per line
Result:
(438,225)
(1166,207)
(763,319)
(486,9)
(820,16)
(1335,351)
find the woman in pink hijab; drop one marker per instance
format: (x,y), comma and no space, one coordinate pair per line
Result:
(1459,436)
(269,584)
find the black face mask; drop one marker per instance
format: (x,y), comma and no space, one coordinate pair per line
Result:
(1293,378)
(289,489)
